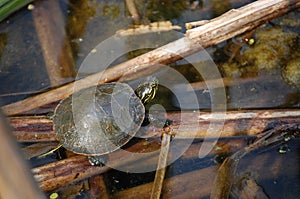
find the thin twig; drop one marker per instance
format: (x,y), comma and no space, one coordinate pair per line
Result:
(161,166)
(133,11)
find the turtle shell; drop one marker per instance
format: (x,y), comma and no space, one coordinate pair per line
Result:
(99,119)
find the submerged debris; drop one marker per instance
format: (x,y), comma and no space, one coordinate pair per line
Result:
(225,176)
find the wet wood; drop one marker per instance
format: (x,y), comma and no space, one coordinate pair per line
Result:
(32,128)
(224,27)
(133,11)
(185,124)
(196,184)
(238,21)
(55,46)
(159,26)
(74,169)
(199,183)
(57,174)
(15,178)
(161,166)
(54,175)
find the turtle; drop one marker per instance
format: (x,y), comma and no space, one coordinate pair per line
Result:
(100,119)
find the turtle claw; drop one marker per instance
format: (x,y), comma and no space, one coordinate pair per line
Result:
(168,123)
(99,160)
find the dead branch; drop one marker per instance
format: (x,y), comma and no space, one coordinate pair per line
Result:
(133,11)
(57,174)
(224,27)
(186,124)
(161,167)
(159,26)
(237,21)
(32,128)
(55,45)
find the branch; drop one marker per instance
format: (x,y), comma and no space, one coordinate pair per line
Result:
(186,124)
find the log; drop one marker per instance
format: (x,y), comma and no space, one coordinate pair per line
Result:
(185,124)
(224,27)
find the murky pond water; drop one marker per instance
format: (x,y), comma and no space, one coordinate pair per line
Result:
(260,69)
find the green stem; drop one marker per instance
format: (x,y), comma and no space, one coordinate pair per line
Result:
(7,7)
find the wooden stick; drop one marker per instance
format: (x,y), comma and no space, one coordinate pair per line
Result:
(32,128)
(238,21)
(54,175)
(133,11)
(57,52)
(161,166)
(224,27)
(57,174)
(186,124)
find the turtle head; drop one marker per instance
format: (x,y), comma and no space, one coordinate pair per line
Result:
(147,90)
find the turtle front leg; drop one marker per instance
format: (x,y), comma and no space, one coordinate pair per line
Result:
(156,121)
(98,160)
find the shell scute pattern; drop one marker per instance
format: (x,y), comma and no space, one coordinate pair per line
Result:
(98,120)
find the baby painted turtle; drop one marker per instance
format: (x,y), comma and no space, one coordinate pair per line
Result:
(101,119)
